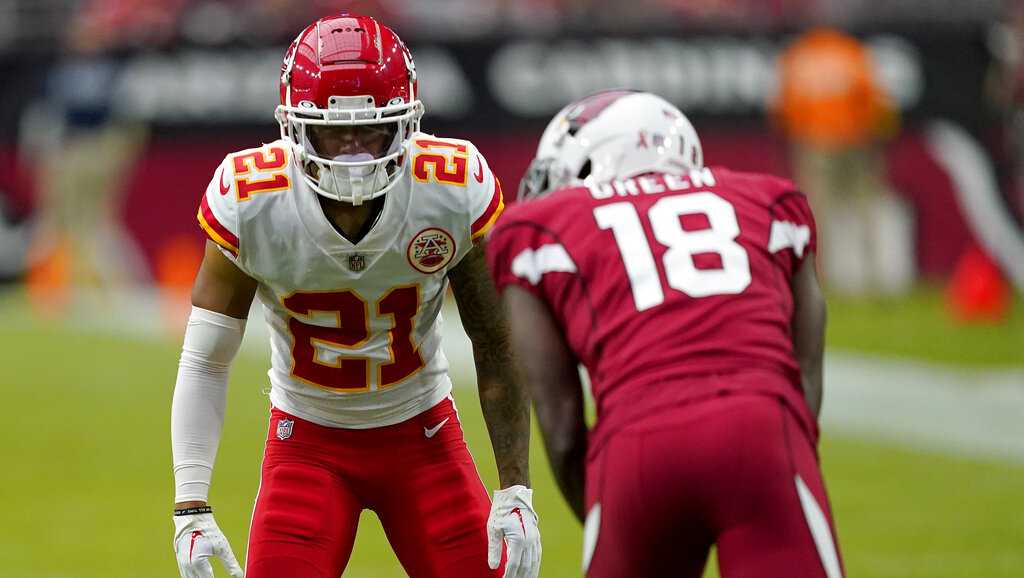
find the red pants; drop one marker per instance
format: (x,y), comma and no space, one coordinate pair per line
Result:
(735,470)
(315,482)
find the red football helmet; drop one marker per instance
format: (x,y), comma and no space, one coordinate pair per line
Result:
(351,71)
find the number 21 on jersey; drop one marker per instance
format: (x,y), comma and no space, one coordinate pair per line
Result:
(271,161)
(681,245)
(351,330)
(441,162)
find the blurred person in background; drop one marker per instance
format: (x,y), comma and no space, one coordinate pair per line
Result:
(1005,89)
(690,295)
(81,254)
(350,228)
(14,237)
(837,118)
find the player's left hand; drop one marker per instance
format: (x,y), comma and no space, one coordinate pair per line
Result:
(514,523)
(197,539)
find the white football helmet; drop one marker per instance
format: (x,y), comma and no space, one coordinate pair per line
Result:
(615,134)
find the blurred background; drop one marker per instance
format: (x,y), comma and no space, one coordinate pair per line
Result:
(903,121)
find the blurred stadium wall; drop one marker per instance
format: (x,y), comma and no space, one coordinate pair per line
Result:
(162,90)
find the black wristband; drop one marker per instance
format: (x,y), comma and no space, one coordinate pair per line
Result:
(193,511)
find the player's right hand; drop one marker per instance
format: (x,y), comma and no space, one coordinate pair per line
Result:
(513,523)
(196,539)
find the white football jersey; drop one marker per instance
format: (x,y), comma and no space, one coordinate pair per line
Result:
(354,327)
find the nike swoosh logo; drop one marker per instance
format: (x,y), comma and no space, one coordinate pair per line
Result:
(223,188)
(520,516)
(479,174)
(430,431)
(195,536)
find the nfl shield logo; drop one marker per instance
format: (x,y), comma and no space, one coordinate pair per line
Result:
(356,263)
(284,428)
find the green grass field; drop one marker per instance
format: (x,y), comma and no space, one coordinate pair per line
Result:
(87,486)
(920,328)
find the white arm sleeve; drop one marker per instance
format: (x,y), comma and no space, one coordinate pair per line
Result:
(200,395)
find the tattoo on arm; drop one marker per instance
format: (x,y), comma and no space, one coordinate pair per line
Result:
(504,400)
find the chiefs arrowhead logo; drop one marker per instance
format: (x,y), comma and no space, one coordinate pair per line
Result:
(224,188)
(430,250)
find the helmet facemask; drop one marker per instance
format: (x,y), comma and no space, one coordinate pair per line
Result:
(353,172)
(535,181)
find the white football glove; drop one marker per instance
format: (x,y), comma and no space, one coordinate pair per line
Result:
(514,523)
(196,539)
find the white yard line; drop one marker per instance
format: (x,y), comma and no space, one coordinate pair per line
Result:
(963,412)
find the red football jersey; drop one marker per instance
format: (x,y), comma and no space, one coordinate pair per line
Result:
(664,278)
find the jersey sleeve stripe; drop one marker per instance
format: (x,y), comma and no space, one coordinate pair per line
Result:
(494,209)
(214,230)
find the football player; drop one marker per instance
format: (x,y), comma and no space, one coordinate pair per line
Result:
(689,294)
(350,229)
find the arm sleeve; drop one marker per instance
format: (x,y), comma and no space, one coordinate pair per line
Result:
(200,395)
(218,212)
